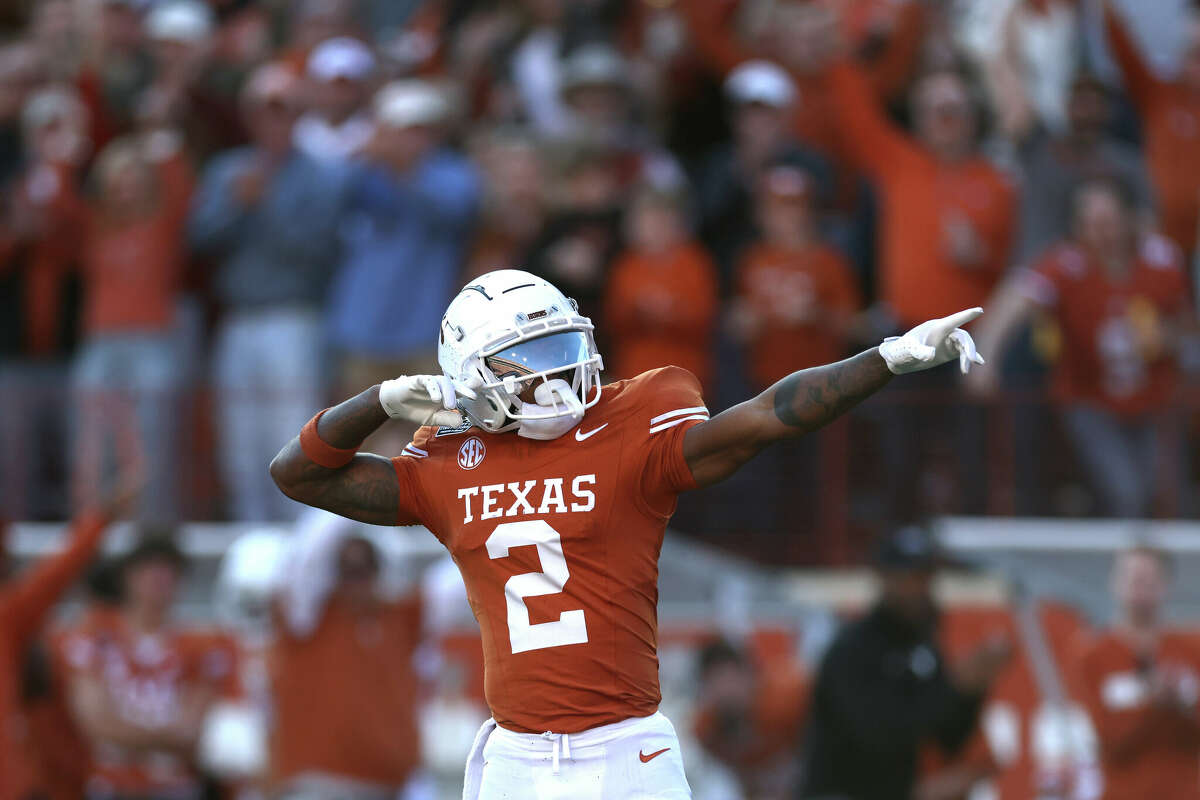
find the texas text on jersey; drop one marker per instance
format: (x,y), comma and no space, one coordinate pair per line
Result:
(558,543)
(557,529)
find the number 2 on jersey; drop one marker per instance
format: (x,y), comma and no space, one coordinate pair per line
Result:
(570,628)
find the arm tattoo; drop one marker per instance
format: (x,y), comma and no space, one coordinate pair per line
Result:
(813,397)
(364,489)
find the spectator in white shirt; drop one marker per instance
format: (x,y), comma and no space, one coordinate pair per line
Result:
(340,74)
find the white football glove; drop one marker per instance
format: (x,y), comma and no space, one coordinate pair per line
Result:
(932,343)
(423,399)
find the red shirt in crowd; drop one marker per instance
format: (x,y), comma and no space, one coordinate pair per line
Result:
(24,603)
(802,301)
(151,680)
(133,268)
(920,196)
(1114,332)
(45,258)
(660,310)
(363,727)
(1145,751)
(1170,116)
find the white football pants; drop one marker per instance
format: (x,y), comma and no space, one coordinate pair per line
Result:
(636,759)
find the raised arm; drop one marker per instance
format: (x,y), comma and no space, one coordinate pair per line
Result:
(808,399)
(874,142)
(31,596)
(323,468)
(1143,85)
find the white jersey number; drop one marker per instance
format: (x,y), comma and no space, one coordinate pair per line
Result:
(570,627)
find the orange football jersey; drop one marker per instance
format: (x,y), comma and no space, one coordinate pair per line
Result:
(558,544)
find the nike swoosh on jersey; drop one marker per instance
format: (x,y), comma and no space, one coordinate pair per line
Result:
(580,435)
(647,758)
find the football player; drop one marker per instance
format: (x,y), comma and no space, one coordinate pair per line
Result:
(551,493)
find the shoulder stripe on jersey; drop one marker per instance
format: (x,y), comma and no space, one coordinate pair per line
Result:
(415,449)
(415,452)
(674,422)
(678,412)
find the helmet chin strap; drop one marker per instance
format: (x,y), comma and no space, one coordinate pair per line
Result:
(557,410)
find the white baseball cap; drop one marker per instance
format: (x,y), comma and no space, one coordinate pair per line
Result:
(403,104)
(341,57)
(760,81)
(180,21)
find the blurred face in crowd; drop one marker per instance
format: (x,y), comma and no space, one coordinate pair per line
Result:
(150,585)
(1088,110)
(1139,585)
(785,207)
(909,594)
(178,55)
(942,115)
(338,99)
(803,35)
(728,686)
(120,28)
(601,110)
(318,20)
(53,25)
(402,145)
(270,107)
(655,224)
(1103,224)
(592,186)
(358,571)
(20,71)
(514,170)
(516,187)
(759,129)
(61,139)
(127,184)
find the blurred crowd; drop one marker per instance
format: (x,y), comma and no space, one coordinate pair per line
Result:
(219,216)
(329,667)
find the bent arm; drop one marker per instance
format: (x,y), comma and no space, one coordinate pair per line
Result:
(92,708)
(32,595)
(366,488)
(801,402)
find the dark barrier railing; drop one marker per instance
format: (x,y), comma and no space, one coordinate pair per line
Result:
(902,455)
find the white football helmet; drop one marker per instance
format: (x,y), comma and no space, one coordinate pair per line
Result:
(508,329)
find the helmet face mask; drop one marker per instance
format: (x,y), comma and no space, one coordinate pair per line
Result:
(509,332)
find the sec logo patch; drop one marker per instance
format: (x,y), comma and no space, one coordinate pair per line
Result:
(470,455)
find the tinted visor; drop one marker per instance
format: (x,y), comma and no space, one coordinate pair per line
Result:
(558,351)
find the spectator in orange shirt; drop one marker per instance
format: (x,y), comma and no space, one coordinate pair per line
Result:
(750,718)
(343,677)
(127,373)
(662,295)
(140,684)
(1141,683)
(39,251)
(1170,115)
(24,604)
(796,296)
(1120,300)
(947,215)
